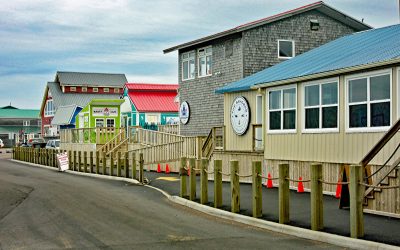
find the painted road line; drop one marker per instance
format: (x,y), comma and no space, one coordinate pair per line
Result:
(168,178)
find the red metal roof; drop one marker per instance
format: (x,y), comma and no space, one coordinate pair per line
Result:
(152,86)
(152,101)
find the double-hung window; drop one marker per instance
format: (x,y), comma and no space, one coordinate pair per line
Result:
(282,109)
(205,61)
(369,101)
(321,106)
(188,65)
(110,122)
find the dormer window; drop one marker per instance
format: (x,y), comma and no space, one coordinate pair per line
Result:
(84,89)
(95,90)
(116,90)
(72,89)
(106,90)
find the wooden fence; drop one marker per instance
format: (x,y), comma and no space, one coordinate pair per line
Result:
(356,184)
(89,135)
(126,165)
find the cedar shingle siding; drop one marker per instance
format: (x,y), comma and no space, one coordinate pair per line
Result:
(240,55)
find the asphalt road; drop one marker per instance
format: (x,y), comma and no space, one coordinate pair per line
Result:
(45,209)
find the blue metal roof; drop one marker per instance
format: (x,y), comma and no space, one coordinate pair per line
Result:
(361,48)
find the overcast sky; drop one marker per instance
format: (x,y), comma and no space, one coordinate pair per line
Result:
(39,37)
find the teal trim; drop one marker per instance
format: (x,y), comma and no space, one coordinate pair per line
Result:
(164,117)
(142,119)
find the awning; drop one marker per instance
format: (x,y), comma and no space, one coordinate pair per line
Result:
(65,115)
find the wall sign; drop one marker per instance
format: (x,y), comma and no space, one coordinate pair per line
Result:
(105,112)
(240,115)
(184,112)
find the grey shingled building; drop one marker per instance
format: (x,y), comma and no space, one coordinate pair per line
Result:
(213,61)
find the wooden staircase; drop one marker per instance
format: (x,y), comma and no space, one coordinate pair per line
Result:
(118,143)
(386,175)
(214,141)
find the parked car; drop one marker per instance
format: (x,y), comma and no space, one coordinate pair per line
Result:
(1,143)
(38,143)
(53,144)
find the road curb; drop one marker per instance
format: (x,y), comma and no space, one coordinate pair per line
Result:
(333,239)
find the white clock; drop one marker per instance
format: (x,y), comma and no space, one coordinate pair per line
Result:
(240,115)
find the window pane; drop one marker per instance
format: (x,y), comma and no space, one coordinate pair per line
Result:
(289,119)
(285,49)
(191,68)
(185,70)
(184,56)
(358,90)
(208,59)
(275,99)
(99,122)
(209,50)
(329,117)
(191,55)
(380,87)
(380,114)
(311,95)
(329,93)
(202,66)
(358,116)
(275,120)
(312,118)
(289,98)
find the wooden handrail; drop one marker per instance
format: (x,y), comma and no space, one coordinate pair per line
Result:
(380,144)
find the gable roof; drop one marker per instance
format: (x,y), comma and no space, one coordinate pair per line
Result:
(360,50)
(64,99)
(90,79)
(152,86)
(320,6)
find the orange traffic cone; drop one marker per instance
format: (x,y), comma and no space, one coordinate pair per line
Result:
(167,169)
(300,187)
(268,183)
(158,168)
(338,189)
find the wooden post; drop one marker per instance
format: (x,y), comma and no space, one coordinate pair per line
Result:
(217,183)
(41,156)
(141,162)
(192,178)
(126,165)
(317,208)
(183,174)
(134,165)
(97,162)
(74,162)
(111,165)
(44,156)
(104,165)
(79,161)
(119,164)
(257,189)
(235,187)
(70,160)
(85,161)
(204,182)
(91,161)
(284,193)
(356,198)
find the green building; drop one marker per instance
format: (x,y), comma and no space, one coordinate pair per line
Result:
(18,125)
(100,113)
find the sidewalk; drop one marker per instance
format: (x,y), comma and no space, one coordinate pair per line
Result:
(377,228)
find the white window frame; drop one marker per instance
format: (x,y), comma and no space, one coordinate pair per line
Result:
(26,123)
(116,90)
(281,131)
(398,92)
(110,119)
(293,48)
(106,90)
(47,111)
(205,56)
(95,122)
(84,89)
(188,59)
(368,75)
(320,106)
(72,89)
(153,114)
(95,90)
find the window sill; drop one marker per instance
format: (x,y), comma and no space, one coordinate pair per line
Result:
(291,131)
(204,76)
(367,130)
(184,80)
(320,131)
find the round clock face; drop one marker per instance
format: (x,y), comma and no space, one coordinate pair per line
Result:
(240,115)
(184,113)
